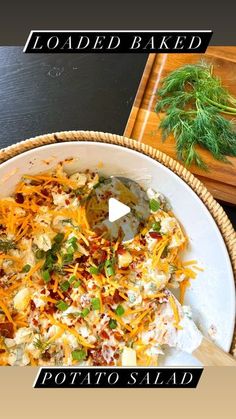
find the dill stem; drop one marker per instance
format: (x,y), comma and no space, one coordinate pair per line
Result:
(224,108)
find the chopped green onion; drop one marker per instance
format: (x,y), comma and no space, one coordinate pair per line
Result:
(67,258)
(85,312)
(26,268)
(59,238)
(95,303)
(72,279)
(76,284)
(119,310)
(78,355)
(94,270)
(65,286)
(73,242)
(46,276)
(154,205)
(109,269)
(112,324)
(156,226)
(70,250)
(61,305)
(39,254)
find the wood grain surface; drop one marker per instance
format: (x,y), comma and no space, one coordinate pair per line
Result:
(143,122)
(43,93)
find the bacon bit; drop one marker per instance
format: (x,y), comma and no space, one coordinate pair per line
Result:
(7,330)
(107,299)
(97,357)
(19,198)
(104,335)
(155,235)
(2,351)
(116,297)
(32,305)
(46,356)
(121,250)
(118,336)
(53,295)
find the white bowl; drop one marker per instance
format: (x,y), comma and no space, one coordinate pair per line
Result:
(212,295)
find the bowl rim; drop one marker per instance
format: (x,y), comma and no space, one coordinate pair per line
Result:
(217,212)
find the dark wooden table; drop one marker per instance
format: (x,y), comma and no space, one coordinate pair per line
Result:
(47,93)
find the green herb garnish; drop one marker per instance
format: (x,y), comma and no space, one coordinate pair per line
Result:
(119,310)
(109,267)
(156,226)
(95,303)
(61,305)
(76,284)
(46,276)
(94,270)
(6,245)
(70,250)
(39,254)
(154,205)
(78,355)
(67,258)
(26,268)
(112,324)
(59,238)
(85,312)
(194,100)
(40,344)
(65,286)
(72,279)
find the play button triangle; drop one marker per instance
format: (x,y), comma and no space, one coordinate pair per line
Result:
(117,209)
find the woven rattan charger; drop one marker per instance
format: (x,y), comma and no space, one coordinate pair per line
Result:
(214,207)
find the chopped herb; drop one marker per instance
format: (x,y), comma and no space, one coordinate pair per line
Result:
(94,270)
(70,250)
(100,182)
(85,312)
(154,205)
(59,238)
(72,279)
(95,303)
(78,355)
(109,267)
(164,253)
(67,258)
(39,254)
(156,226)
(40,344)
(6,245)
(72,240)
(73,244)
(119,310)
(65,286)
(112,324)
(76,284)
(61,305)
(46,276)
(26,268)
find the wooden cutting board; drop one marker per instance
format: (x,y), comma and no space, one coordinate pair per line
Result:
(143,122)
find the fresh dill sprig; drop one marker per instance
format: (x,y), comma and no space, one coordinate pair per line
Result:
(40,344)
(193,100)
(6,245)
